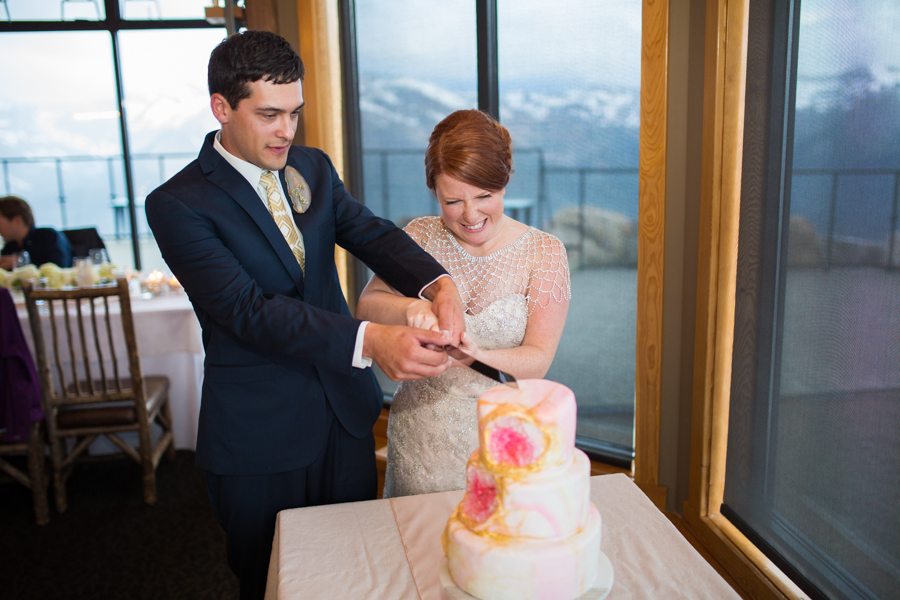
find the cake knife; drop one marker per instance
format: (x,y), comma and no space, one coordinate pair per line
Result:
(490,372)
(493,373)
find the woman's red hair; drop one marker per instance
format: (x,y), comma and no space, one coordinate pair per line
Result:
(472,147)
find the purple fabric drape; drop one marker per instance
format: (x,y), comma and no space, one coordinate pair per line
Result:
(20,389)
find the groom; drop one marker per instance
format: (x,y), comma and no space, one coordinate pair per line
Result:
(249,230)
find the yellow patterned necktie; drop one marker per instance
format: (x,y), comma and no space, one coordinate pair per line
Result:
(282,217)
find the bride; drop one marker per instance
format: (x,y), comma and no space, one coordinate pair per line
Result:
(514,283)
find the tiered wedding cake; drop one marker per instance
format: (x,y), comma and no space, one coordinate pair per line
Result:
(526,528)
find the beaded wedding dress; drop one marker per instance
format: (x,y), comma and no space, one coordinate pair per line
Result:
(433,427)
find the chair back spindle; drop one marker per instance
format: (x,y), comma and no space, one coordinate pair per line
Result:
(85,355)
(112,345)
(100,358)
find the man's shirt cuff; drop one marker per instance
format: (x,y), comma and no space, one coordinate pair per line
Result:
(424,287)
(360,361)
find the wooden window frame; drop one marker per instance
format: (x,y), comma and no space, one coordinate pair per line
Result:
(724,89)
(323,123)
(651,247)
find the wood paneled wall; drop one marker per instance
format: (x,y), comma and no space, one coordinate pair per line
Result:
(317,22)
(261,15)
(651,247)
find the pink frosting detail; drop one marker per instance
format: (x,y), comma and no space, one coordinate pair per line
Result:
(481,496)
(548,516)
(512,446)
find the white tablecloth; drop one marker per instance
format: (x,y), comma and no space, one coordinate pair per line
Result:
(391,549)
(169,342)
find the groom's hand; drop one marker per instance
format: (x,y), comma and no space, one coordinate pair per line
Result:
(447,305)
(405,353)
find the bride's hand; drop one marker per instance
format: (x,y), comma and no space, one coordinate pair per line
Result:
(466,352)
(420,316)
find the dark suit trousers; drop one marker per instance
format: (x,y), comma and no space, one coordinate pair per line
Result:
(246,505)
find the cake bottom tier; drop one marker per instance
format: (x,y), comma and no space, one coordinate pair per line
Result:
(521,568)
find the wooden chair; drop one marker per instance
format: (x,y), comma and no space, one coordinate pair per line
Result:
(86,392)
(34,476)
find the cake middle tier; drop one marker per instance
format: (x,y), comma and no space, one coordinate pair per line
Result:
(548,504)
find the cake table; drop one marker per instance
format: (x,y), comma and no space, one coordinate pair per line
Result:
(391,549)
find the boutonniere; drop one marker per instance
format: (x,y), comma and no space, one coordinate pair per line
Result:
(298,189)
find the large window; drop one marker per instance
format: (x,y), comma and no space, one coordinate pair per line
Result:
(167,111)
(59,127)
(813,444)
(567,83)
(63,143)
(402,96)
(573,110)
(95,10)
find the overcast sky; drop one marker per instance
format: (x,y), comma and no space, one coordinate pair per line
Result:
(596,42)
(592,43)
(836,37)
(42,10)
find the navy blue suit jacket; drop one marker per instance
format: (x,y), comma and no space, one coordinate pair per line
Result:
(279,343)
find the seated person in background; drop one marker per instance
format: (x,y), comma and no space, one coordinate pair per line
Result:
(44,245)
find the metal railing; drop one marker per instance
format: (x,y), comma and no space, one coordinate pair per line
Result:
(835,176)
(581,174)
(116,200)
(383,157)
(539,201)
(518,208)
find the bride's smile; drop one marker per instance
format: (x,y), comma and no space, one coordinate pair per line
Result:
(473,215)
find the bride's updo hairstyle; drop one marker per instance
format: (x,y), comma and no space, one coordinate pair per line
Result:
(472,147)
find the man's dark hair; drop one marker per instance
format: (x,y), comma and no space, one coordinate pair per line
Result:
(13,206)
(250,56)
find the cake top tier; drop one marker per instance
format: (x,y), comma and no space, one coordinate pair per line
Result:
(530,428)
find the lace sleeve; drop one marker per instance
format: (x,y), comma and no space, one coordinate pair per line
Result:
(549,280)
(420,230)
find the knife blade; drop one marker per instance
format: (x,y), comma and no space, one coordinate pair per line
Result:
(494,373)
(489,371)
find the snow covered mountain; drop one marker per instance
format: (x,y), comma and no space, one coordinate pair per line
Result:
(574,127)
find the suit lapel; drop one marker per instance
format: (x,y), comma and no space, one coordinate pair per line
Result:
(306,225)
(233,183)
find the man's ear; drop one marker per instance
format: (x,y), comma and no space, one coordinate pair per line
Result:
(220,108)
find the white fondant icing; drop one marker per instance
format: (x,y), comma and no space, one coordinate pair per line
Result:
(524,569)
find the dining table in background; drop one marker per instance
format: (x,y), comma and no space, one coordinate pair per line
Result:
(391,549)
(169,343)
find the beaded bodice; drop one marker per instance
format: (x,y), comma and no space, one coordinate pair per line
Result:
(535,266)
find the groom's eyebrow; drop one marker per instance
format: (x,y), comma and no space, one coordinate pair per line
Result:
(276,109)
